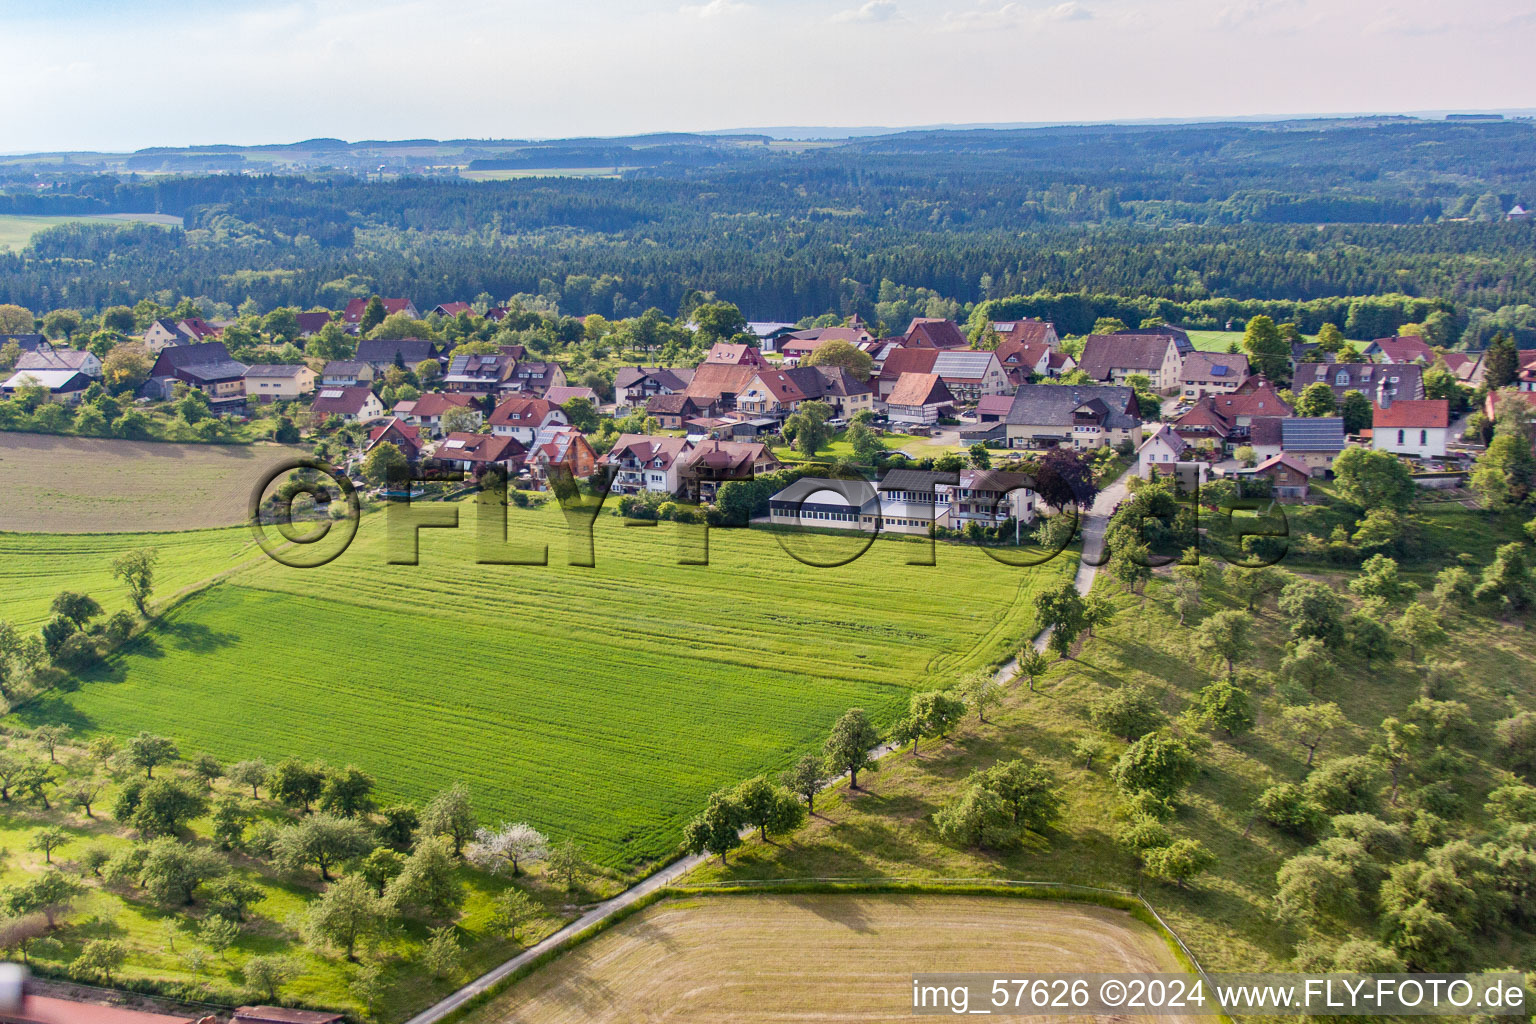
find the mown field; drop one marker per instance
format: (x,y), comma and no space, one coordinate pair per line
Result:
(600,703)
(834,958)
(59,484)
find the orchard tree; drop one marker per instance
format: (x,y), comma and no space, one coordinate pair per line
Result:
(717,830)
(980,691)
(807,777)
(345,914)
(1226,707)
(148,751)
(384,461)
(851,745)
(252,773)
(1314,610)
(1129,711)
(296,784)
(1060,610)
(1156,764)
(1316,400)
(1419,630)
(324,840)
(508,845)
(1309,724)
(450,814)
(1224,636)
(348,792)
(1370,479)
(100,958)
(1179,861)
(1267,349)
(137,571)
(1032,664)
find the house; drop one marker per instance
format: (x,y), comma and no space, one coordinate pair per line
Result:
(1263,434)
(645,462)
(910,500)
(778,393)
(475,453)
(1314,441)
(62,385)
(479,374)
(534,378)
(345,373)
(1288,475)
(1163,448)
(671,411)
(382,353)
(353,314)
(560,448)
(1206,373)
(37,1009)
(826,504)
(919,398)
(900,361)
(353,405)
(311,324)
(451,309)
(565,392)
(1467,366)
(633,386)
(714,387)
(1083,417)
(523,418)
(988,497)
(1518,213)
(1405,381)
(165,332)
(735,355)
(970,374)
(1029,349)
(934,333)
(1491,403)
(278,382)
(205,366)
(1405,349)
(708,464)
(1028,332)
(283,1015)
(428,410)
(402,435)
(798,344)
(769,333)
(1419,429)
(52,358)
(1112,358)
(1201,422)
(1310,352)
(1178,334)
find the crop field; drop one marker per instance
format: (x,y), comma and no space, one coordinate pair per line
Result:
(17,229)
(834,958)
(97,485)
(600,703)
(36,566)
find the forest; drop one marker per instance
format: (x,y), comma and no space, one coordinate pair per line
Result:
(1187,216)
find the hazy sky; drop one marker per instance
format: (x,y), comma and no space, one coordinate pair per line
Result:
(123,74)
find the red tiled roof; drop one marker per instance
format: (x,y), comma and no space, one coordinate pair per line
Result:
(930,332)
(522,412)
(908,360)
(1421,413)
(48,1010)
(914,389)
(1404,349)
(435,403)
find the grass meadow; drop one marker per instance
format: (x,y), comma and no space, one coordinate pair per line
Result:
(600,703)
(17,229)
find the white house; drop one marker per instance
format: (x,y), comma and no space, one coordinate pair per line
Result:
(1163,453)
(1419,429)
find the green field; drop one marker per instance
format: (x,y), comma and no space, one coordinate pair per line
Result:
(17,229)
(601,703)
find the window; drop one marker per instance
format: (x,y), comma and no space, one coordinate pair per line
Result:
(1423,437)
(1399,437)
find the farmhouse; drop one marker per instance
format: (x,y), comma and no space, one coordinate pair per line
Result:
(1401,380)
(475,453)
(642,462)
(1257,397)
(382,353)
(278,382)
(777,393)
(52,358)
(769,333)
(205,366)
(714,386)
(345,373)
(1029,349)
(1210,372)
(523,418)
(919,398)
(633,386)
(62,385)
(1026,332)
(1467,366)
(352,405)
(971,375)
(1416,428)
(1114,357)
(311,324)
(671,411)
(26,342)
(352,315)
(1084,417)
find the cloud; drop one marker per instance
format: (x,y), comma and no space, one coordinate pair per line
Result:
(713,9)
(989,15)
(873,11)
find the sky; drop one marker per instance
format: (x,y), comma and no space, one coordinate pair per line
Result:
(125,74)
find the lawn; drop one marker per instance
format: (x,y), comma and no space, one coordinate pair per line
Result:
(839,448)
(733,959)
(1218,341)
(91,485)
(1225,916)
(600,703)
(17,229)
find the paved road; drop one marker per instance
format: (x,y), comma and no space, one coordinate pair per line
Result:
(1093,544)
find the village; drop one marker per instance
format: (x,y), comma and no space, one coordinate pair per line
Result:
(981,407)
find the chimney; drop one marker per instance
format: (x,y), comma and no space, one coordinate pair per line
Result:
(1384,394)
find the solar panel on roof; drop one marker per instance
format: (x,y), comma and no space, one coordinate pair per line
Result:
(1218,371)
(330,394)
(453,442)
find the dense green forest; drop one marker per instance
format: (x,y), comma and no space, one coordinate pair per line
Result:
(1285,213)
